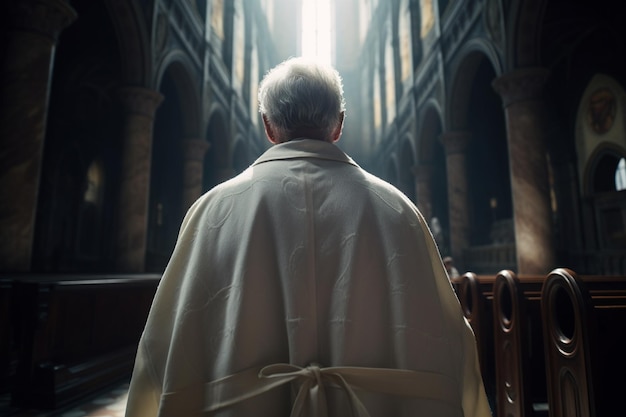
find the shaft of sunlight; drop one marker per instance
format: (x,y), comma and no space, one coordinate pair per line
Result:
(316,30)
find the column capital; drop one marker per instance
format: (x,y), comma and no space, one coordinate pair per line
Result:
(195,149)
(521,84)
(456,142)
(140,100)
(46,17)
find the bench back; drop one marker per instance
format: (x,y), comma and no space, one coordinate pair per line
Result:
(76,334)
(518,338)
(585,334)
(475,293)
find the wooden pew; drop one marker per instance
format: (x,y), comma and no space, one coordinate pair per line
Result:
(518,338)
(475,295)
(585,335)
(76,335)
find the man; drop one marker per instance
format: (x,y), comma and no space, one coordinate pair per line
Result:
(306,286)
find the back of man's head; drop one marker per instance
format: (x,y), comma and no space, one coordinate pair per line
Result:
(300,97)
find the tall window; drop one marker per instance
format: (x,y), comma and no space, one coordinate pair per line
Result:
(239,44)
(620,175)
(254,83)
(217,18)
(406,59)
(365,15)
(428,16)
(316,30)
(390,77)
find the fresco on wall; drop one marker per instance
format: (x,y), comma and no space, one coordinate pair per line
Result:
(601,111)
(600,124)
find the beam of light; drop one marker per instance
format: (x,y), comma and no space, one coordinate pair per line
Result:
(316,31)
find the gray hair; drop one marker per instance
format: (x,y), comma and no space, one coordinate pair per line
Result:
(302,94)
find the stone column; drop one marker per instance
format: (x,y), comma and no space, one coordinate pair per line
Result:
(26,76)
(521,96)
(140,105)
(423,176)
(193,150)
(456,144)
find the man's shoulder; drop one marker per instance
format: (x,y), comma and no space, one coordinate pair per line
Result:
(382,187)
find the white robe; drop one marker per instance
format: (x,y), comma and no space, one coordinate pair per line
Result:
(305,258)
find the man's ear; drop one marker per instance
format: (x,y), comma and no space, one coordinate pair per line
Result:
(339,129)
(269,132)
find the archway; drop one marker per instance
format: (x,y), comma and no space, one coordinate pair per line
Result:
(165,209)
(605,185)
(74,231)
(489,178)
(486,231)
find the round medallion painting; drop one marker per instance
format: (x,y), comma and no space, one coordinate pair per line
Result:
(602,109)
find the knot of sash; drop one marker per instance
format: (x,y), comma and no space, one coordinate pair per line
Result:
(313,380)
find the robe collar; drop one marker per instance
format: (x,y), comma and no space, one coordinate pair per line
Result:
(304,148)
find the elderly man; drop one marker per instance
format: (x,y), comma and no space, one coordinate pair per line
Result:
(305,286)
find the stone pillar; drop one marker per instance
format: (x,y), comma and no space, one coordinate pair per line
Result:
(456,144)
(521,96)
(423,176)
(26,76)
(140,105)
(193,150)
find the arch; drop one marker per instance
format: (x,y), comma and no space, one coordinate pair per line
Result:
(604,199)
(599,173)
(523,33)
(475,107)
(180,68)
(133,38)
(85,124)
(463,72)
(431,127)
(166,201)
(432,157)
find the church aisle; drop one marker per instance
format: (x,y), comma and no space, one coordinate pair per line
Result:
(110,403)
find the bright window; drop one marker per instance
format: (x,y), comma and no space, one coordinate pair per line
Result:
(316,30)
(620,175)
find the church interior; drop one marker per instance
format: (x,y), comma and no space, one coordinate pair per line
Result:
(504,121)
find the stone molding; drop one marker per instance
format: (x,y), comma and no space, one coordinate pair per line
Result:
(520,85)
(139,100)
(46,17)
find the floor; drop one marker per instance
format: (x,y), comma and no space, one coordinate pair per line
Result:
(109,403)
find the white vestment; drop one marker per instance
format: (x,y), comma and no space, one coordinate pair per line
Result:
(305,259)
